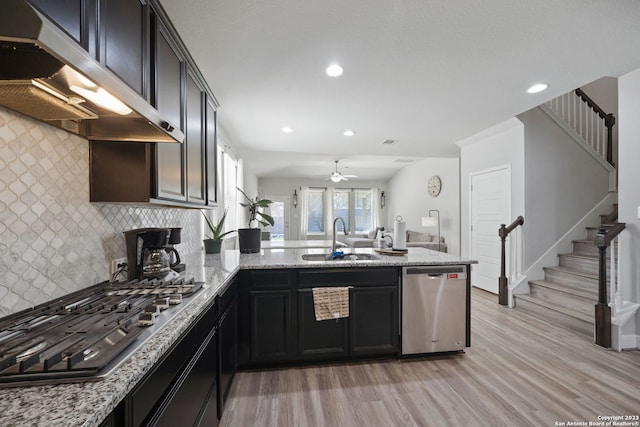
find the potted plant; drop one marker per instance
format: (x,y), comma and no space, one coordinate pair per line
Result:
(249,238)
(213,243)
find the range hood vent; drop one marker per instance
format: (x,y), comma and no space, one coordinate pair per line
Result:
(44,74)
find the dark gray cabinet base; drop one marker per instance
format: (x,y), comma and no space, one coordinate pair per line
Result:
(278,324)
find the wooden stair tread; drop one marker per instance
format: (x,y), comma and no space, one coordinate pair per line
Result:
(568,270)
(557,308)
(585,241)
(581,292)
(582,256)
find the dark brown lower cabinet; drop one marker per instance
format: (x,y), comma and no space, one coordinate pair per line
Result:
(280,317)
(194,401)
(228,343)
(271,326)
(182,388)
(373,322)
(327,339)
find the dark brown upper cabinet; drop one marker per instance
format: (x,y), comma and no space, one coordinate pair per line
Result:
(168,75)
(194,145)
(161,173)
(211,154)
(124,41)
(78,18)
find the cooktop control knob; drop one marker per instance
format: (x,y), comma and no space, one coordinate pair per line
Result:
(175,299)
(162,303)
(145,319)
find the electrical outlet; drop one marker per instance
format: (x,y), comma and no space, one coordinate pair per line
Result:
(115,263)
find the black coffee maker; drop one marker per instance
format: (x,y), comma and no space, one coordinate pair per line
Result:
(150,252)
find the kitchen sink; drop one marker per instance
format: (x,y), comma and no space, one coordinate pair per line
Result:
(346,257)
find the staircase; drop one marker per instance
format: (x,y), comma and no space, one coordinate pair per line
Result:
(569,291)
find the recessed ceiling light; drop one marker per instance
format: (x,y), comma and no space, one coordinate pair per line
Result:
(334,70)
(539,87)
(349,133)
(287,129)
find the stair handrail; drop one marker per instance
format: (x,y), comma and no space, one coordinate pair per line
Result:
(588,120)
(503,282)
(609,121)
(602,240)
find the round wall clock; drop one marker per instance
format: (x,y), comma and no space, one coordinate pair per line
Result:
(434,186)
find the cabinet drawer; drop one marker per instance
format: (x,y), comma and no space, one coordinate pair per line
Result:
(270,279)
(227,298)
(148,394)
(347,277)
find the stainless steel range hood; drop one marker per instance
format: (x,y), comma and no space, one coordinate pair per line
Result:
(46,75)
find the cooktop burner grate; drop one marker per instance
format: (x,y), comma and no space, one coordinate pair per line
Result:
(81,335)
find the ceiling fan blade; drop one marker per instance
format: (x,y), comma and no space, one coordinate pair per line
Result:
(350,176)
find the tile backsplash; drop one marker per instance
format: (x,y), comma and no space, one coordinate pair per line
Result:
(52,239)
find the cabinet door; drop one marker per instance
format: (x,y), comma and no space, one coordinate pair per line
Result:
(317,340)
(169,69)
(194,141)
(124,41)
(67,14)
(373,320)
(228,330)
(271,327)
(211,147)
(196,392)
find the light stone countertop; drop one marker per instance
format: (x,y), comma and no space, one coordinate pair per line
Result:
(88,404)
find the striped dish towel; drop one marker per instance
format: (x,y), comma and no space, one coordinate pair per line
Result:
(331,303)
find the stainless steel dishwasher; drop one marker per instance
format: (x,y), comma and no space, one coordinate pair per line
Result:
(434,309)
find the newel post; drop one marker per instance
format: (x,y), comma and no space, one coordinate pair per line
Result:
(602,309)
(503,283)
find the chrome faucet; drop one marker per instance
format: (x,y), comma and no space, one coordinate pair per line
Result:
(346,232)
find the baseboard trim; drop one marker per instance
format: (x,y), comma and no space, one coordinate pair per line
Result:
(629,342)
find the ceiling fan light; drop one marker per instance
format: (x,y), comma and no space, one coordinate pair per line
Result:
(335,178)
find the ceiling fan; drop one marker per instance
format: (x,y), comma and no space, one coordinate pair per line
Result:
(337,176)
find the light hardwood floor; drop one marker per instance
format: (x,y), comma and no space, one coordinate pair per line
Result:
(519,371)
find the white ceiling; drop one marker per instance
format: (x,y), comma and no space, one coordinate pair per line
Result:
(426,73)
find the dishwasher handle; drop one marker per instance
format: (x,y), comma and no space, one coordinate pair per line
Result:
(434,271)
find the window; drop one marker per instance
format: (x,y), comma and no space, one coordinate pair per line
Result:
(355,207)
(228,168)
(341,207)
(315,212)
(363,212)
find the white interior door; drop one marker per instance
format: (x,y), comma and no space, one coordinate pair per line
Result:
(490,207)
(279,210)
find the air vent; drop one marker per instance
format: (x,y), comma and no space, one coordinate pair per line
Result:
(389,141)
(403,161)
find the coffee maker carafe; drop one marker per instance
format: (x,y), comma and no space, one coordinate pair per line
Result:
(149,253)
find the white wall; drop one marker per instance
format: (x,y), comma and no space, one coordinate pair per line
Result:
(250,186)
(562,183)
(629,180)
(285,187)
(407,196)
(498,146)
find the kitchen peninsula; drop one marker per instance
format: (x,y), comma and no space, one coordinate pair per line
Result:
(91,403)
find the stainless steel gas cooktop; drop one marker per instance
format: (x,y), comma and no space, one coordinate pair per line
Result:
(85,335)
